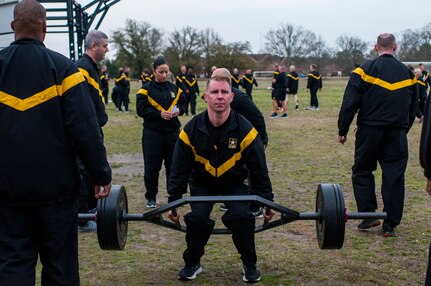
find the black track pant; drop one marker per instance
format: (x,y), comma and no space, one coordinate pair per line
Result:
(158,147)
(237,219)
(313,98)
(190,100)
(388,146)
(51,232)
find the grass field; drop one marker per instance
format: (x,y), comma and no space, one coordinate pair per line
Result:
(302,153)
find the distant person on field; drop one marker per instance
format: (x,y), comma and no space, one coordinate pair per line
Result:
(422,88)
(292,86)
(384,94)
(236,79)
(104,81)
(158,102)
(314,84)
(279,93)
(247,82)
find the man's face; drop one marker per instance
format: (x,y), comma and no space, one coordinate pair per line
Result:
(218,95)
(183,69)
(101,49)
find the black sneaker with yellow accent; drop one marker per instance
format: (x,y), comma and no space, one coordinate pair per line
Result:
(388,230)
(367,223)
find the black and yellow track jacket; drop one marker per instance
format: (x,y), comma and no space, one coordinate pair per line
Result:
(247,82)
(426,79)
(279,86)
(314,81)
(121,84)
(191,84)
(236,80)
(196,158)
(104,82)
(292,83)
(243,104)
(383,92)
(145,79)
(155,97)
(180,81)
(91,73)
(47,118)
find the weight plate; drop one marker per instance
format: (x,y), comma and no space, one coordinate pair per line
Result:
(111,228)
(330,226)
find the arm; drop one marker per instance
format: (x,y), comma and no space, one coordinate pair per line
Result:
(349,107)
(413,105)
(256,164)
(243,104)
(181,169)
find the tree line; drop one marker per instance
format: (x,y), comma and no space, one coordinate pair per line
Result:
(139,43)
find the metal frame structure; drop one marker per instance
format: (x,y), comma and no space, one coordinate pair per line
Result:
(68,16)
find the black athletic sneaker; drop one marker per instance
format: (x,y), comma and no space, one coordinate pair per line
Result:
(151,203)
(189,272)
(367,223)
(251,273)
(388,231)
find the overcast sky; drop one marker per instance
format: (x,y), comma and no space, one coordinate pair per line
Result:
(250,20)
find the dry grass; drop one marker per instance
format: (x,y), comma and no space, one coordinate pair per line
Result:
(302,153)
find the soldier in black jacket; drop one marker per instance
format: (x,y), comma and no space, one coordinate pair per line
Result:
(314,84)
(426,76)
(96,46)
(159,102)
(278,94)
(207,158)
(145,77)
(292,86)
(104,83)
(425,160)
(191,91)
(384,93)
(236,79)
(121,91)
(247,82)
(180,79)
(50,119)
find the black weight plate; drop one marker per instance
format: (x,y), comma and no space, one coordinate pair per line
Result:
(330,227)
(111,228)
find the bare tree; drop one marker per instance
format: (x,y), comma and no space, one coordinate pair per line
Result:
(210,40)
(290,41)
(351,50)
(137,44)
(184,47)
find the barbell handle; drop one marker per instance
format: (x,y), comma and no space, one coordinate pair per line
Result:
(365,215)
(175,214)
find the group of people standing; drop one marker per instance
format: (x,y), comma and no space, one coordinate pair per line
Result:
(285,86)
(60,111)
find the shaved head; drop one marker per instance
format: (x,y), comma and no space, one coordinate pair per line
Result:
(29,20)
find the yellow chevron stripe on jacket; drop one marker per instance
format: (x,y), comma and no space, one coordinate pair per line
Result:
(42,96)
(123,76)
(92,82)
(236,80)
(154,103)
(228,164)
(316,77)
(191,83)
(382,83)
(291,76)
(247,79)
(179,79)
